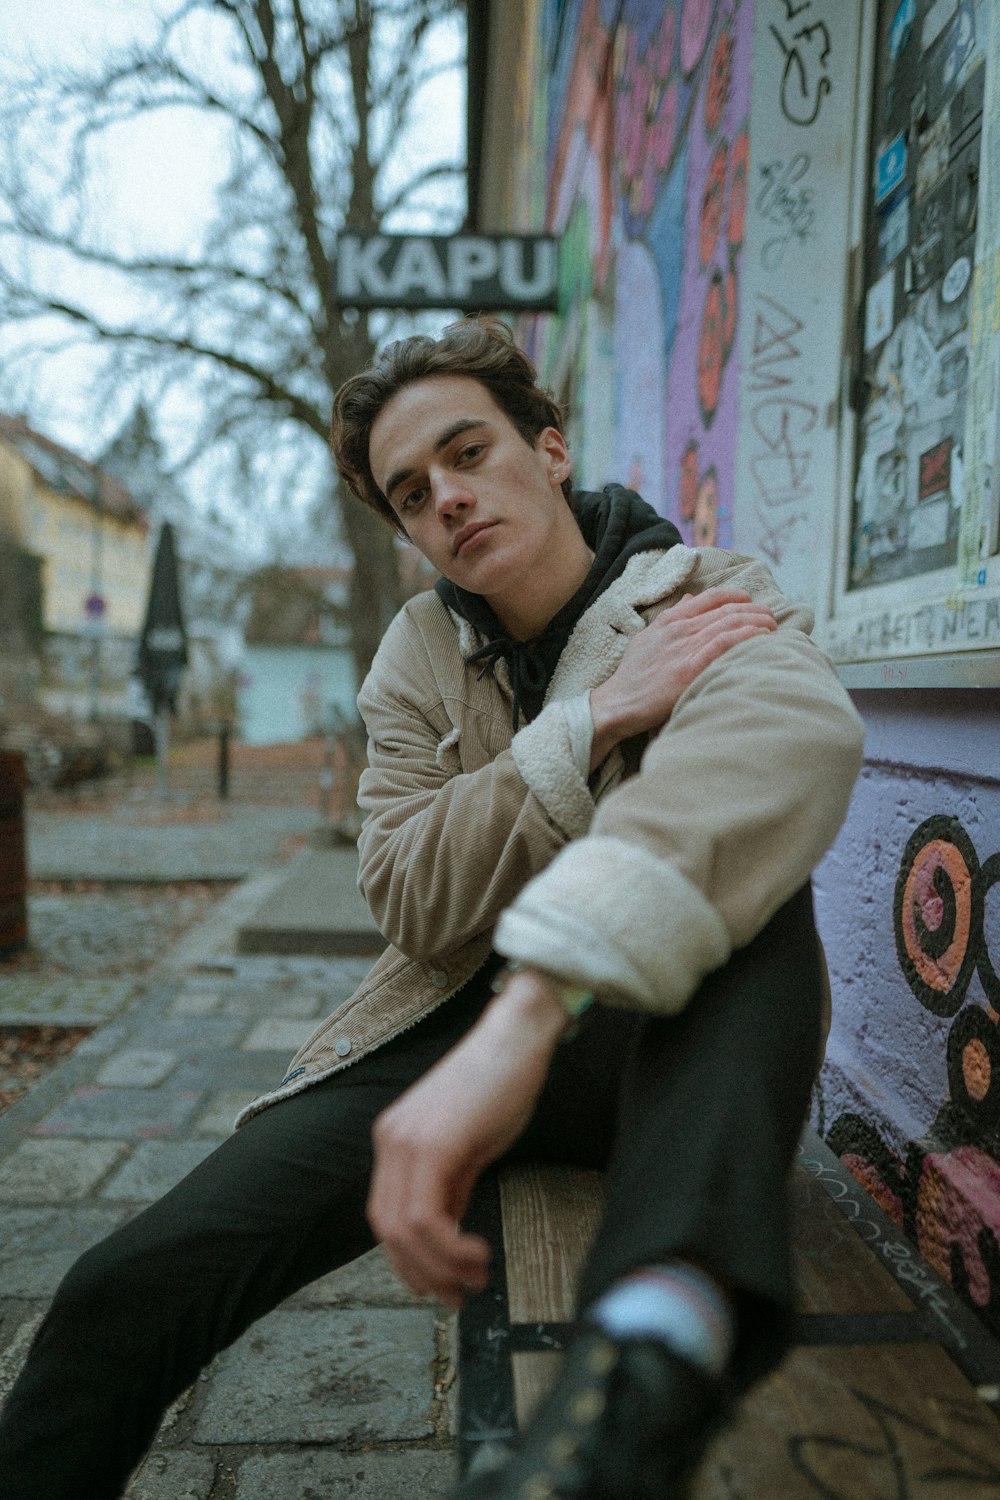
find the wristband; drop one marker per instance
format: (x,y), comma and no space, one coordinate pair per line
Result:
(574,998)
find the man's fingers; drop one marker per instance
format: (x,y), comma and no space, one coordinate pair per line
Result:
(697,604)
(709,647)
(413,1208)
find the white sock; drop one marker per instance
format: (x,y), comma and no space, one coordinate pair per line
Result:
(678,1304)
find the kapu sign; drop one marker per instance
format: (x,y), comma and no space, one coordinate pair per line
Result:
(474,272)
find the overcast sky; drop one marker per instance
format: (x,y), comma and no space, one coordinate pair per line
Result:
(156,192)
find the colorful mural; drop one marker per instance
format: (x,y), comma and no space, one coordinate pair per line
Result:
(910,1096)
(683,252)
(647,149)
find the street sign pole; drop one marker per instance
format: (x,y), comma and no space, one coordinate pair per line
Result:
(161,736)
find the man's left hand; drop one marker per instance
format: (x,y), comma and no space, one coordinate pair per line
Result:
(436,1140)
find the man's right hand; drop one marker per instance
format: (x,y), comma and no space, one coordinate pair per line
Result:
(665,658)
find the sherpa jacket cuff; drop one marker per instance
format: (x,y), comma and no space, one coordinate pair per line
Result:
(552,754)
(614,917)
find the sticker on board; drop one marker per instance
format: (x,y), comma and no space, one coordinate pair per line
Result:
(894,230)
(935,151)
(879,310)
(890,167)
(956,279)
(901,23)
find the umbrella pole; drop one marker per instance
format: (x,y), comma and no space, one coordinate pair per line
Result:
(162,732)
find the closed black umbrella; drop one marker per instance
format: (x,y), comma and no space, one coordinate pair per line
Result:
(163,651)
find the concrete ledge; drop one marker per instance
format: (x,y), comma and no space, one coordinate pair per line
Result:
(317,909)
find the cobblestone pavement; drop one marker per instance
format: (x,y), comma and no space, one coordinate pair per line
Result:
(345,1390)
(283,1413)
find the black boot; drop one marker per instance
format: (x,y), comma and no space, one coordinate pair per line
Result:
(624,1421)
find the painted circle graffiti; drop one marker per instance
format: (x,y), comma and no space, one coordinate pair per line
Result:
(739,161)
(729,311)
(711,349)
(974,1069)
(706,510)
(696,22)
(713,203)
(988,978)
(689,482)
(719,74)
(937,913)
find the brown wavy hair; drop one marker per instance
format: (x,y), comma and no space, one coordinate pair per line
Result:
(482,348)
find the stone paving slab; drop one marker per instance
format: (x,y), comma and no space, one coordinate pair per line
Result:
(154,1168)
(254,1071)
(370,1279)
(56,1171)
(338,1476)
(322,1377)
(176,1034)
(137,1068)
(12,1358)
(176,1476)
(121,1114)
(316,909)
(140,847)
(25,1001)
(278,1035)
(39,1245)
(248,1003)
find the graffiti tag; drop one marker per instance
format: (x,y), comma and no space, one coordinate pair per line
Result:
(907,1265)
(786,203)
(907,1471)
(782,424)
(805,79)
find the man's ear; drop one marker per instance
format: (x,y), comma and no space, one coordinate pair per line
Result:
(552,445)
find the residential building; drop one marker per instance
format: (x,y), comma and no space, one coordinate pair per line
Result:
(91,545)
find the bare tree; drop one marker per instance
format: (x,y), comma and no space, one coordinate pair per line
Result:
(317,98)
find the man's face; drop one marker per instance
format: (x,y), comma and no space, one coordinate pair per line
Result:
(484,506)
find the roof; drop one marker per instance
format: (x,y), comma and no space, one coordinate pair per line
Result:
(292,606)
(67,473)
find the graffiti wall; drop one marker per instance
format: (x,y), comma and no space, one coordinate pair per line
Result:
(646,138)
(696,160)
(909,905)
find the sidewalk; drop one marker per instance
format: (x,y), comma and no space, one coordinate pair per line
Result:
(346,1389)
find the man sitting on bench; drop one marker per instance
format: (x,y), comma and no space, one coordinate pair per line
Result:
(602,766)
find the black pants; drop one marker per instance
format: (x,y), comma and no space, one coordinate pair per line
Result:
(695,1117)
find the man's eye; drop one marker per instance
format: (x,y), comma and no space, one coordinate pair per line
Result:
(470,452)
(411,499)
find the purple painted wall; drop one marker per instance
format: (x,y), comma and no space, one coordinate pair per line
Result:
(909,907)
(647,150)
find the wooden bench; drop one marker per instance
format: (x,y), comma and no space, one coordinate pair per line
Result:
(891,1377)
(539,1221)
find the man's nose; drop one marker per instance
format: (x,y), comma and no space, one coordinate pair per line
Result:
(451,493)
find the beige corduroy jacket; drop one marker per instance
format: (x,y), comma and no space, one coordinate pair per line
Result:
(637,886)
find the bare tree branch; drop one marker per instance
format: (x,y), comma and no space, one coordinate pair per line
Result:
(244,318)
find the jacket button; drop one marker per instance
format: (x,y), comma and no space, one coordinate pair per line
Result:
(439,979)
(342,1046)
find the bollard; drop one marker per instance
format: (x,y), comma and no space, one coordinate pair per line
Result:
(224,730)
(13,865)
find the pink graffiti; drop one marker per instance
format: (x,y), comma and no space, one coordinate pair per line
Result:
(646,114)
(696,23)
(958,1197)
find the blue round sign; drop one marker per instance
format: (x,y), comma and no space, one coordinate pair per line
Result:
(94,605)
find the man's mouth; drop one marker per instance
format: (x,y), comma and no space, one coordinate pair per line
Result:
(469,533)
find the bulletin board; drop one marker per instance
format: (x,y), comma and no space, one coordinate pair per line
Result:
(912,387)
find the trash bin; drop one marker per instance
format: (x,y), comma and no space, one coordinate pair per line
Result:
(13,865)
